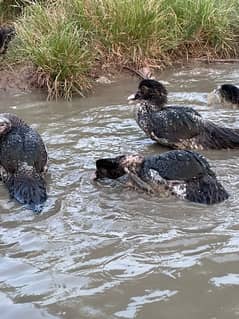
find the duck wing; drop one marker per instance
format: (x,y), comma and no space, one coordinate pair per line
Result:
(174,124)
(178,165)
(23,157)
(187,175)
(22,145)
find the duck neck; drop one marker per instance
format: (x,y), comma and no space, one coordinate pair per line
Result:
(155,105)
(147,108)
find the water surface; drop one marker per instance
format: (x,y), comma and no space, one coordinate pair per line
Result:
(100,252)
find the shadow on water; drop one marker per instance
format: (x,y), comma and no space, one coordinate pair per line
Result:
(98,251)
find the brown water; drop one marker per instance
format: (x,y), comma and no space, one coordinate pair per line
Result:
(98,251)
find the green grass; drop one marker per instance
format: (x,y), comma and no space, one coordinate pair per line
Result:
(208,22)
(58,48)
(10,9)
(66,39)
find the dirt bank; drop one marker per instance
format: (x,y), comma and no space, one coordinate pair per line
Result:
(16,79)
(25,78)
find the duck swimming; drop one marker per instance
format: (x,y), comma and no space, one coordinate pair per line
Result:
(181,173)
(177,127)
(23,160)
(225,94)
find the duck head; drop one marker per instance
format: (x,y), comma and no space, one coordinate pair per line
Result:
(109,167)
(230,93)
(5,125)
(118,166)
(224,94)
(151,91)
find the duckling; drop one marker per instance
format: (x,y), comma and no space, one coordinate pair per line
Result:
(23,161)
(6,35)
(177,127)
(226,95)
(180,173)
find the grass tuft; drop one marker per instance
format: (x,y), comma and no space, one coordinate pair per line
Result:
(66,39)
(59,50)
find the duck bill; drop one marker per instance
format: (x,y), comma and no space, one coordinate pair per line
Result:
(132,98)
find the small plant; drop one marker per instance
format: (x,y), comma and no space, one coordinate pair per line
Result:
(58,49)
(205,23)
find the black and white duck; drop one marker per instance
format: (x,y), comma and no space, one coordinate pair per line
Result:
(177,127)
(23,161)
(224,95)
(179,173)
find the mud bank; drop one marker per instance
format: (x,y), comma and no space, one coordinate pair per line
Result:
(17,79)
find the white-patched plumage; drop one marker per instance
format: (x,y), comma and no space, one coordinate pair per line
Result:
(179,173)
(177,127)
(23,159)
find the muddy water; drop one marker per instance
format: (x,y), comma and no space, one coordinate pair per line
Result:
(100,251)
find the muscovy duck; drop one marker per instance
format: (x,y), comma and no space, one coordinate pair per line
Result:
(177,127)
(181,173)
(23,161)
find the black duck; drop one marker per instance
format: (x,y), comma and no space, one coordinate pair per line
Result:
(23,160)
(181,173)
(224,95)
(6,35)
(177,127)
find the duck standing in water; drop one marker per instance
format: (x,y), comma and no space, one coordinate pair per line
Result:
(225,95)
(177,127)
(181,173)
(23,160)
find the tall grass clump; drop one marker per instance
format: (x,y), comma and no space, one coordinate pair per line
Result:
(127,30)
(137,30)
(206,24)
(66,39)
(57,48)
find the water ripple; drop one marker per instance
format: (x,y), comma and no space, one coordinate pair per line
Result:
(104,251)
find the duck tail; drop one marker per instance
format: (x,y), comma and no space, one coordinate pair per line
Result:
(28,188)
(219,137)
(206,190)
